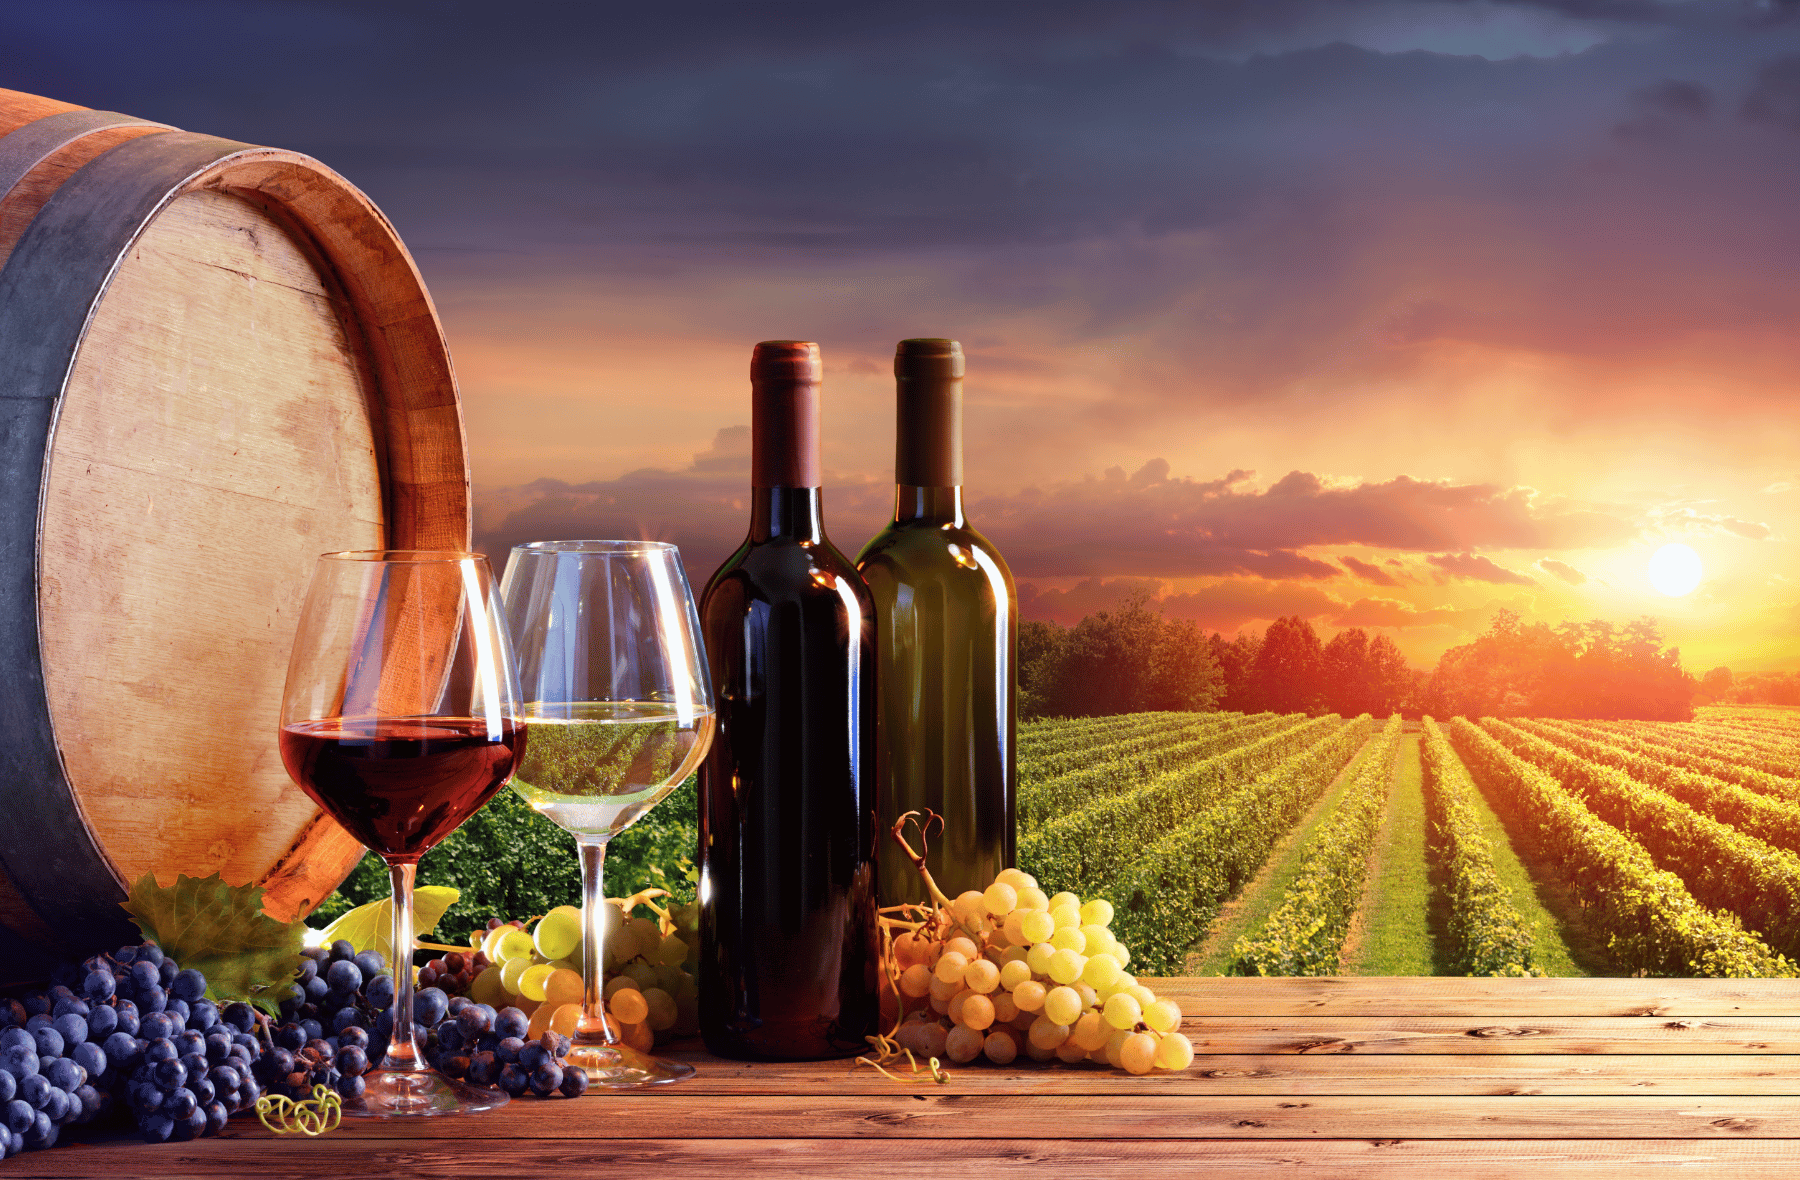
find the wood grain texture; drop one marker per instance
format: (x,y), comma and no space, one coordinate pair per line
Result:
(262,378)
(1286,1074)
(1453,996)
(514,1152)
(190,488)
(1125,1115)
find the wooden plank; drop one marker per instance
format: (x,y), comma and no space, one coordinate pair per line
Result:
(1597,1034)
(1457,996)
(940,1115)
(469,1156)
(173,446)
(1328,1073)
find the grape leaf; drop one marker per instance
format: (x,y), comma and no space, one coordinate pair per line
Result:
(370,927)
(218,930)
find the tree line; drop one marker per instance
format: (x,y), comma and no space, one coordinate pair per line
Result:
(1135,659)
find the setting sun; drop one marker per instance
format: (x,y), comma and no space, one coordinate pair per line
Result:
(1675,570)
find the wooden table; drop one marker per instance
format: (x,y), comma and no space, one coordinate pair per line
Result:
(1385,1078)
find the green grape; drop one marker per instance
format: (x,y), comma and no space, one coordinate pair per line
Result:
(1000,899)
(1032,898)
(1066,966)
(1098,912)
(1101,970)
(558,933)
(1123,1011)
(511,971)
(1058,900)
(1069,938)
(1175,1051)
(1062,1005)
(662,1008)
(672,951)
(1029,996)
(1036,926)
(1046,1033)
(514,944)
(1038,958)
(1095,940)
(1014,973)
(1138,1053)
(1163,1016)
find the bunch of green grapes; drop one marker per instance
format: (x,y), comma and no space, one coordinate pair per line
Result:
(1011,970)
(647,971)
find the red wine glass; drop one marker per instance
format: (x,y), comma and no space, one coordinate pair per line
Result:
(400,719)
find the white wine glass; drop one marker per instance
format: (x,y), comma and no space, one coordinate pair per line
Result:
(618,711)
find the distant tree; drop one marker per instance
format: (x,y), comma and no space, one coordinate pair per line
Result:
(1236,659)
(1288,667)
(1766,688)
(1040,651)
(1716,684)
(1346,673)
(1364,675)
(1130,660)
(1183,676)
(1392,682)
(1592,669)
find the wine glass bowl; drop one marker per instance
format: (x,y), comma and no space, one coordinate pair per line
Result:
(400,719)
(618,711)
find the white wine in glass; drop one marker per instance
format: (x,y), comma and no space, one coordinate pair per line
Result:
(618,711)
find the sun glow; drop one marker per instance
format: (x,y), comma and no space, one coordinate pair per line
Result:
(1675,570)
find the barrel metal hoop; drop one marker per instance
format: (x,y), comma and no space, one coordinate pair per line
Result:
(49,290)
(24,148)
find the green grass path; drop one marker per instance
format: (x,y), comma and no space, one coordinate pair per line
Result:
(1393,933)
(1564,946)
(1251,908)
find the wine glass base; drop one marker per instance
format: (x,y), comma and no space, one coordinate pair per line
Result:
(419,1094)
(620,1067)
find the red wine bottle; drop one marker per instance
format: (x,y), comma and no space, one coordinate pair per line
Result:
(946,613)
(789,952)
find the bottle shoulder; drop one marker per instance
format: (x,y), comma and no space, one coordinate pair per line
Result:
(910,551)
(784,570)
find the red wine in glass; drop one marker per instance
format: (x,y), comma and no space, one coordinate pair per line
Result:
(400,719)
(400,785)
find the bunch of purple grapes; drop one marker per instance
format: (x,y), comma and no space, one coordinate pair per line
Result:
(337,1019)
(126,1030)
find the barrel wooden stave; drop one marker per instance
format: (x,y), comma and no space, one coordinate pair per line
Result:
(265,359)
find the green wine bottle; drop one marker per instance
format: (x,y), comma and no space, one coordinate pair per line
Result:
(946,623)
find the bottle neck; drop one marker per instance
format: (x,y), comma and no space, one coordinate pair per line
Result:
(922,505)
(791,514)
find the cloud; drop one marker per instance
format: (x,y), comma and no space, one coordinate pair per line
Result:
(1369,573)
(1671,519)
(1563,570)
(1226,606)
(1474,568)
(1389,612)
(1775,99)
(1149,525)
(1142,524)
(1089,596)
(704,508)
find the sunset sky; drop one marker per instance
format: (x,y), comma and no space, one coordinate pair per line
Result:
(1383,313)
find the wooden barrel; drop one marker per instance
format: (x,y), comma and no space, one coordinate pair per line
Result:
(216,362)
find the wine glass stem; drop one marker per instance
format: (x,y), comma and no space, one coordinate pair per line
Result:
(593,1025)
(403,1050)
